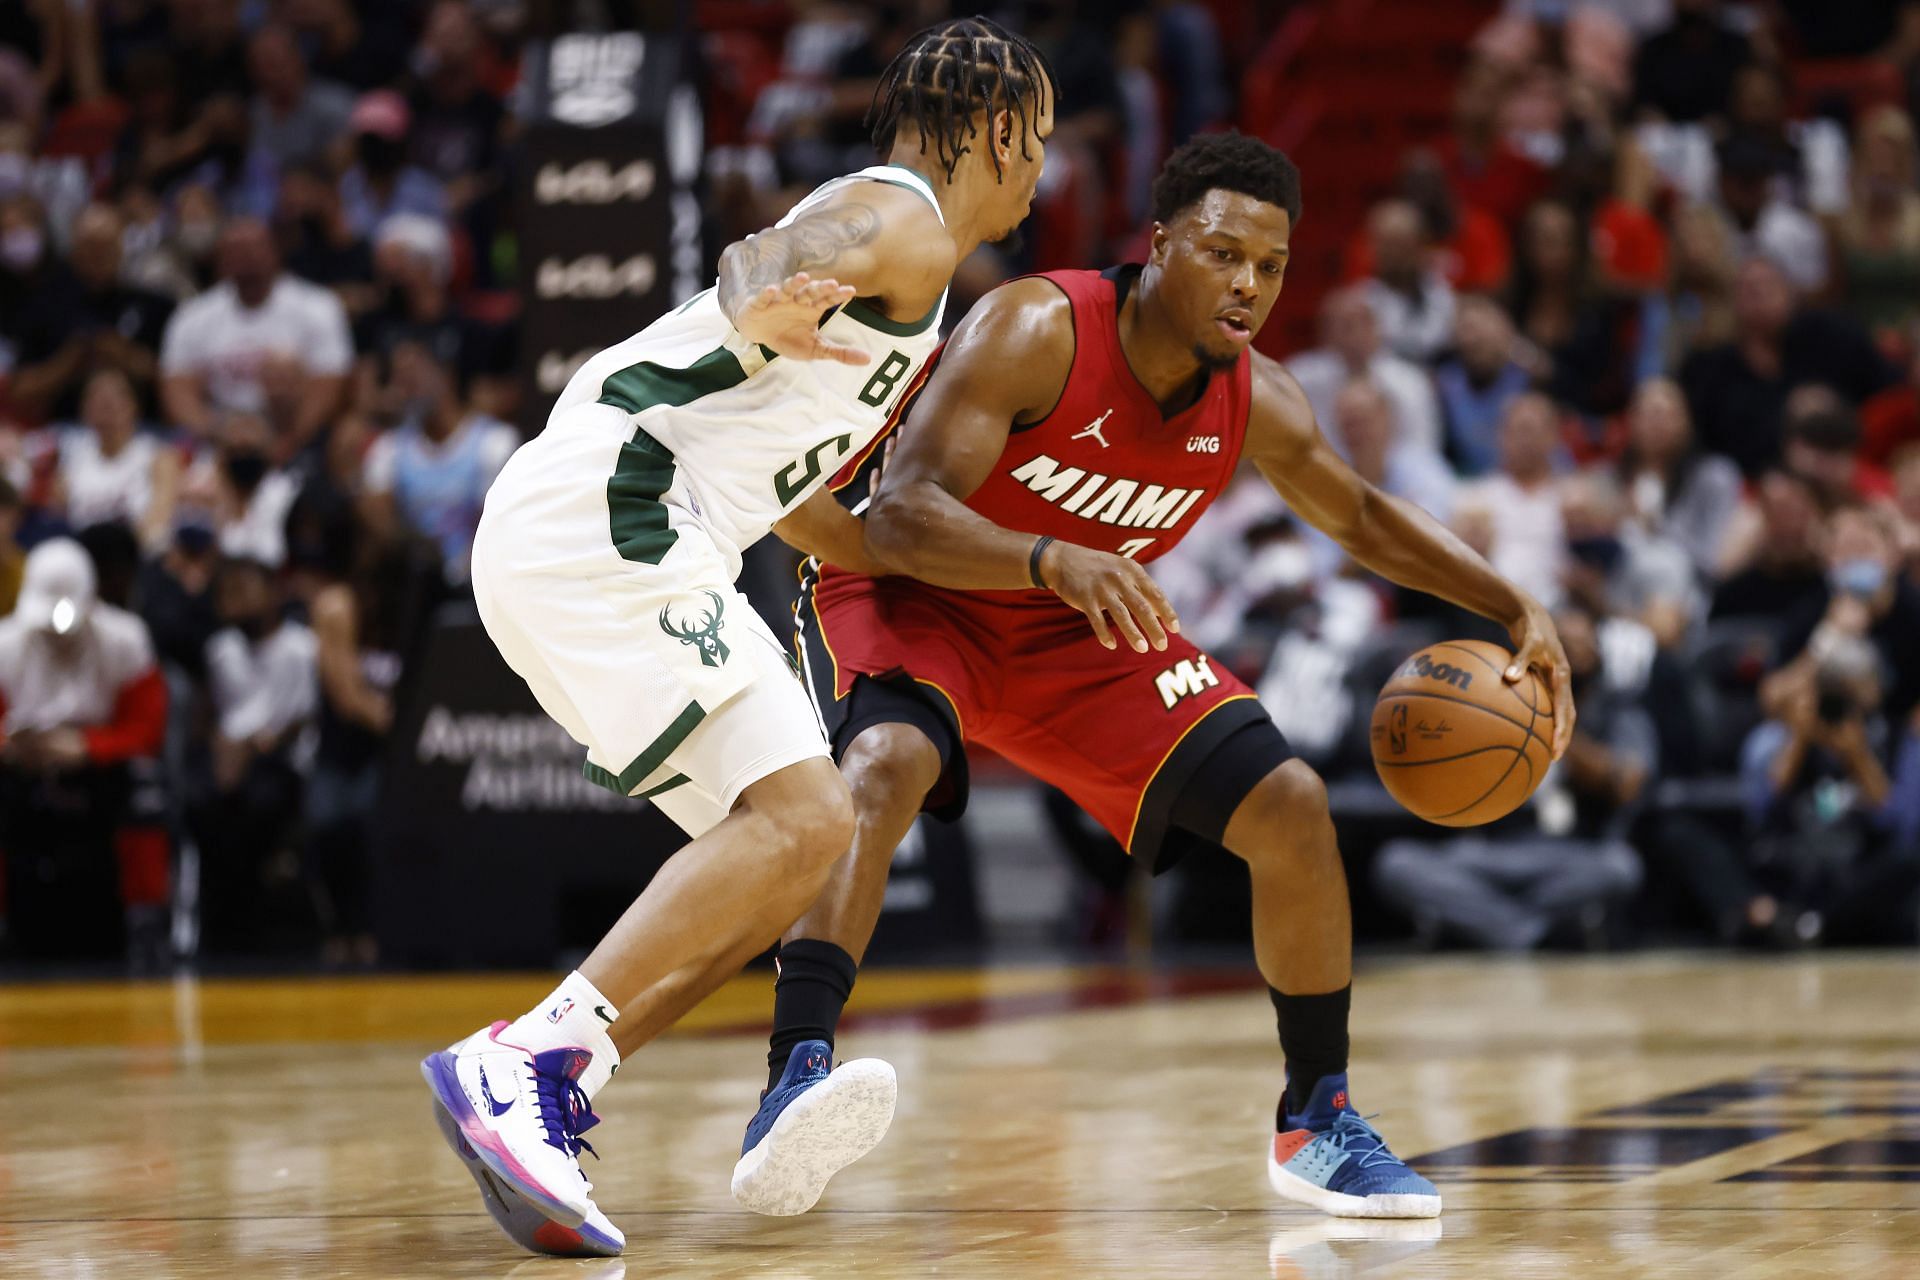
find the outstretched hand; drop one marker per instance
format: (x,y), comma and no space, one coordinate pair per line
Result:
(785,318)
(1536,644)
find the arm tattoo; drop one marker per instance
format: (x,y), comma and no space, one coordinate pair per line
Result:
(811,243)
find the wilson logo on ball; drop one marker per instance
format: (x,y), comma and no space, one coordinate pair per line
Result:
(1445,672)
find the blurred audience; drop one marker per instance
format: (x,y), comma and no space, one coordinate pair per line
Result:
(83,712)
(1633,319)
(1738,390)
(83,319)
(1478,381)
(261,342)
(431,472)
(1411,299)
(1515,511)
(1351,350)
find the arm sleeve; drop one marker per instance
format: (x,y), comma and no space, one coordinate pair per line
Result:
(139,723)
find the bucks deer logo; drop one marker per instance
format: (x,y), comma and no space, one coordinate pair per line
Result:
(705,636)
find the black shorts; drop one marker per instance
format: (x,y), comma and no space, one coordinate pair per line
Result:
(1189,803)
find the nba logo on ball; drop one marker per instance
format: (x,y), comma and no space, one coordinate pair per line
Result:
(1456,750)
(560,1010)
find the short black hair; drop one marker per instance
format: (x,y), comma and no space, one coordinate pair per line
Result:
(950,72)
(1226,162)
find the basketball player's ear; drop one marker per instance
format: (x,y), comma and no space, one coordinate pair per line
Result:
(1003,126)
(1157,252)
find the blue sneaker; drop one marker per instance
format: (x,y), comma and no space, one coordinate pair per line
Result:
(818,1120)
(525,1225)
(1329,1157)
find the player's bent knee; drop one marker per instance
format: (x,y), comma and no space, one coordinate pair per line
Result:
(806,813)
(1286,813)
(890,768)
(1296,796)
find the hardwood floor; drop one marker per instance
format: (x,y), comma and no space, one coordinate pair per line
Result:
(1646,1116)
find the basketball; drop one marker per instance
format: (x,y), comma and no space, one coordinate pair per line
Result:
(1454,742)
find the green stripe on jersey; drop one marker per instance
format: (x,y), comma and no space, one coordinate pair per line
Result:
(873,319)
(635,516)
(646,385)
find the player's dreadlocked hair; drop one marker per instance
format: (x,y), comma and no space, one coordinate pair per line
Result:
(1226,162)
(951,72)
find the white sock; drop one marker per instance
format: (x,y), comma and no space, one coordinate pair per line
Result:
(575,1016)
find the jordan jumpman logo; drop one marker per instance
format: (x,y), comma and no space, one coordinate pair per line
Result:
(1093,429)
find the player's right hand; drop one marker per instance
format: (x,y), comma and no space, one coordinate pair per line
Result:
(1102,586)
(785,318)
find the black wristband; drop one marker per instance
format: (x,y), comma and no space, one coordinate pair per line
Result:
(1040,545)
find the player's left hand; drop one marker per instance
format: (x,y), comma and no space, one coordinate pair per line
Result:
(1536,644)
(785,318)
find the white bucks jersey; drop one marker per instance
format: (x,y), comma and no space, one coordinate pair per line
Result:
(741,435)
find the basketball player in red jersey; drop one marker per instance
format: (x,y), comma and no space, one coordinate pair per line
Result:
(1076,426)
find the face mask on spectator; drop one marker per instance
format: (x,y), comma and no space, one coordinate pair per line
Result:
(380,155)
(1861,577)
(21,247)
(193,539)
(1602,552)
(245,468)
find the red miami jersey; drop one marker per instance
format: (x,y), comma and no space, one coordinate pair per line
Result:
(1105,468)
(1020,672)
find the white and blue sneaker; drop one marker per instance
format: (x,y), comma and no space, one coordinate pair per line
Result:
(815,1122)
(521,1114)
(525,1225)
(1329,1157)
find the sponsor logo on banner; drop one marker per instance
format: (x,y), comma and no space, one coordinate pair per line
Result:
(596,276)
(514,762)
(591,77)
(594,182)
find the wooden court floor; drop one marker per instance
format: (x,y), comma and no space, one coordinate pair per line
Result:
(1647,1116)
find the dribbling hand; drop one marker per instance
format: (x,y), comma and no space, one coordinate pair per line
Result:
(785,318)
(1536,644)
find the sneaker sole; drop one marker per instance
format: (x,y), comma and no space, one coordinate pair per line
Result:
(820,1133)
(437,1069)
(520,1221)
(1291,1186)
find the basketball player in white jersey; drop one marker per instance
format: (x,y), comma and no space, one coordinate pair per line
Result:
(604,570)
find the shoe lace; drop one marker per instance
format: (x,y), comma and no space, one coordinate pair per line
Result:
(1352,1134)
(565,1113)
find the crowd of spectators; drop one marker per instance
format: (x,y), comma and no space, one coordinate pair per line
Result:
(1644,331)
(252,382)
(1644,328)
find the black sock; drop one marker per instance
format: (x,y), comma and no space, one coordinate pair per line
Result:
(1313,1039)
(815,980)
